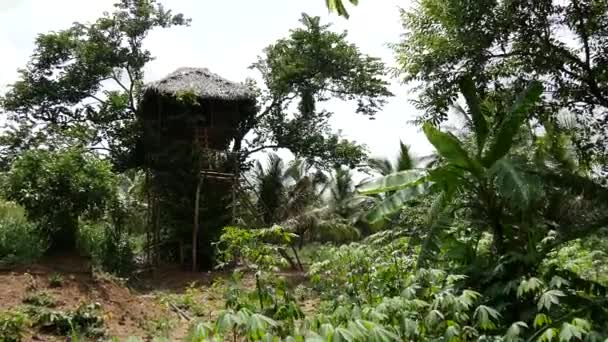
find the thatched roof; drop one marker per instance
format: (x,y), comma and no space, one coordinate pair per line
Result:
(202,83)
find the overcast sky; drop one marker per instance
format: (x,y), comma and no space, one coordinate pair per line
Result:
(226,37)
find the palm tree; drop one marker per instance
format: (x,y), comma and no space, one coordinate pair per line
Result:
(404,161)
(284,192)
(270,188)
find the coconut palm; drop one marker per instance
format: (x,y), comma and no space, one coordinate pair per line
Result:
(286,191)
(404,161)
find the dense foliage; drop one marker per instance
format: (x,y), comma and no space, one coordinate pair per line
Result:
(499,235)
(62,94)
(311,66)
(58,188)
(505,44)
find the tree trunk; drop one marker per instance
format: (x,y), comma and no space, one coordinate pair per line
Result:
(197,198)
(295,253)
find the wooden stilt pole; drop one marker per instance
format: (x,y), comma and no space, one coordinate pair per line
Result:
(197,198)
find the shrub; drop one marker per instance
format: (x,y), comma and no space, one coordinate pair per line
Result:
(57,188)
(109,248)
(40,299)
(13,325)
(86,319)
(20,241)
(55,280)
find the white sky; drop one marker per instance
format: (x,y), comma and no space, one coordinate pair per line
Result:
(226,37)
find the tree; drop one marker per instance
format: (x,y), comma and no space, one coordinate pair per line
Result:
(284,192)
(404,161)
(58,188)
(503,45)
(83,84)
(311,66)
(498,185)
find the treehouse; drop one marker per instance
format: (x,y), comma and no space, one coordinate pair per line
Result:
(192,110)
(189,121)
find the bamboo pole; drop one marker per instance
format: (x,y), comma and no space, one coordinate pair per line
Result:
(197,198)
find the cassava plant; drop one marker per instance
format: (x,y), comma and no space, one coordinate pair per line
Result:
(492,185)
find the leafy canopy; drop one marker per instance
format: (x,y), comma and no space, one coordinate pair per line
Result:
(312,66)
(503,45)
(57,188)
(83,83)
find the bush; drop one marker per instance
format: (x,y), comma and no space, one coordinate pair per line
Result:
(109,249)
(58,188)
(13,325)
(40,299)
(20,241)
(56,280)
(86,319)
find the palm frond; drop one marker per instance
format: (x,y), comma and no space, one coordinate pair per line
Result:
(513,183)
(438,220)
(405,161)
(381,165)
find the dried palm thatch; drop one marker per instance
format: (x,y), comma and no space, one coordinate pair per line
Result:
(203,84)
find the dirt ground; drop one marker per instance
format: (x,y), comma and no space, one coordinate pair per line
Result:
(126,312)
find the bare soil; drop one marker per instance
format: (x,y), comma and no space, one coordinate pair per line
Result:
(126,311)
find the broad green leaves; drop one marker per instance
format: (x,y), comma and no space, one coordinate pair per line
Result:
(450,148)
(467,87)
(549,298)
(396,201)
(515,331)
(486,317)
(395,181)
(512,122)
(531,285)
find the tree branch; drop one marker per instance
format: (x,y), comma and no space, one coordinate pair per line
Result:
(96,98)
(131,84)
(131,106)
(584,34)
(261,148)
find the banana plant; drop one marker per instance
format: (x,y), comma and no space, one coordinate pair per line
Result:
(491,179)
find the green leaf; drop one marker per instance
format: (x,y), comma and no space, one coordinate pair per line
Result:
(557,282)
(433,318)
(452,333)
(338,7)
(396,201)
(467,87)
(450,148)
(514,184)
(548,298)
(541,319)
(226,322)
(514,331)
(396,181)
(582,324)
(512,123)
(344,334)
(468,298)
(548,335)
(569,331)
(530,285)
(485,317)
